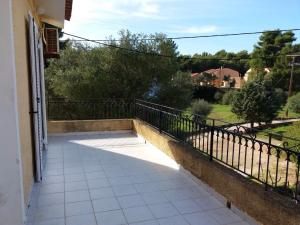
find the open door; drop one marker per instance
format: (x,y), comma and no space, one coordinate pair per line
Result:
(38,96)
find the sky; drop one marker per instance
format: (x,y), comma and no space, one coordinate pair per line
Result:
(99,19)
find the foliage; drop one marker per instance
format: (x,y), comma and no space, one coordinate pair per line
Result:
(228,97)
(286,133)
(294,103)
(201,107)
(205,92)
(205,61)
(257,102)
(292,135)
(269,47)
(175,93)
(218,96)
(270,52)
(282,95)
(84,71)
(282,113)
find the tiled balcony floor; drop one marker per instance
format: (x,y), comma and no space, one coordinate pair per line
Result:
(116,179)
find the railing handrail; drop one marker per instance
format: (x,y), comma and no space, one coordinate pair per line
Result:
(169,109)
(202,133)
(233,132)
(205,138)
(228,124)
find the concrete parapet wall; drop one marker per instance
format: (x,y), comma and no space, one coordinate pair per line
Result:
(71,126)
(266,207)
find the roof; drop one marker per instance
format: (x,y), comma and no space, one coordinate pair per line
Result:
(194,74)
(221,72)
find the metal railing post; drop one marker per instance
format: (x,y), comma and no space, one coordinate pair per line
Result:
(268,161)
(297,179)
(212,131)
(160,121)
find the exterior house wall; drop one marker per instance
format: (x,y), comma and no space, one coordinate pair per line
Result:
(11,185)
(220,74)
(21,9)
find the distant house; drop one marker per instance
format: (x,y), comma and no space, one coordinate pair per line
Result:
(220,78)
(253,72)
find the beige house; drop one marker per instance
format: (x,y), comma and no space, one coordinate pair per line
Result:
(24,40)
(251,73)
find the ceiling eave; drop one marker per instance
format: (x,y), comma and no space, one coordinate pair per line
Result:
(54,12)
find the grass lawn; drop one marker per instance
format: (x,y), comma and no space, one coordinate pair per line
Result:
(220,112)
(290,130)
(223,112)
(291,114)
(279,131)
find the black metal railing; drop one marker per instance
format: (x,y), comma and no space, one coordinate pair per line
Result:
(236,146)
(89,109)
(265,161)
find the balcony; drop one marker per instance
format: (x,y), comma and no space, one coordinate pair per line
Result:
(115,178)
(139,171)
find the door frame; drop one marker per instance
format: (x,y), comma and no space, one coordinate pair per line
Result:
(38,97)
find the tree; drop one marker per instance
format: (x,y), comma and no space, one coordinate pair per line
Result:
(85,71)
(280,73)
(201,62)
(294,103)
(257,101)
(176,93)
(269,47)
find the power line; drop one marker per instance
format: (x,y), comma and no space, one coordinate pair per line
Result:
(118,47)
(204,36)
(167,56)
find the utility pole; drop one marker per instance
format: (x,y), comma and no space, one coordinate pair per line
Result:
(291,79)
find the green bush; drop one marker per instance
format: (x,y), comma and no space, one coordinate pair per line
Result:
(228,97)
(201,107)
(294,103)
(281,95)
(218,96)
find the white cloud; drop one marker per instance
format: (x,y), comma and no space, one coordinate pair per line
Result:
(111,12)
(149,7)
(114,9)
(196,29)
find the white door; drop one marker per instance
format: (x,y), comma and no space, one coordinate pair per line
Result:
(38,97)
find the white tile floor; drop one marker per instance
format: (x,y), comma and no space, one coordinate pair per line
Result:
(116,179)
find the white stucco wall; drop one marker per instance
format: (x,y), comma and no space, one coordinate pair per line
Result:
(11,189)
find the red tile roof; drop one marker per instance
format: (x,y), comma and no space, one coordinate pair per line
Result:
(194,74)
(221,72)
